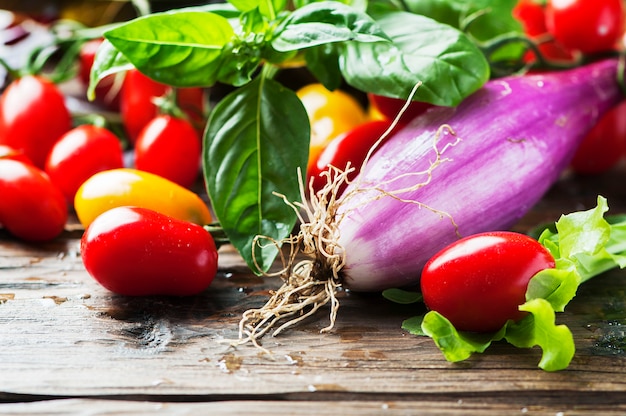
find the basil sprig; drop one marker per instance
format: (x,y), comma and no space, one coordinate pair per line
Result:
(258,137)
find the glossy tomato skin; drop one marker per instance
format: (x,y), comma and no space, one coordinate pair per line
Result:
(351,146)
(390,107)
(532,15)
(330,113)
(132,187)
(7,152)
(170,147)
(137,107)
(80,153)
(589,26)
(33,116)
(479,281)
(604,145)
(32,208)
(138,252)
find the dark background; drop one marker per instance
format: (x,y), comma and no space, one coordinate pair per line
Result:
(89,12)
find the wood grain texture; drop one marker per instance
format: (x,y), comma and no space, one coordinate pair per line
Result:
(313,407)
(67,345)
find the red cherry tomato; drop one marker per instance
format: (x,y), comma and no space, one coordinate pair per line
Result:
(138,252)
(81,153)
(33,116)
(390,107)
(532,15)
(32,208)
(348,147)
(604,145)
(107,91)
(589,26)
(479,281)
(169,147)
(7,152)
(137,105)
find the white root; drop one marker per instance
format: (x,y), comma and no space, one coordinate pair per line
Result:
(313,282)
(308,284)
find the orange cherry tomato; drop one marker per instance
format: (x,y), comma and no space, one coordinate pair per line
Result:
(132,187)
(331,113)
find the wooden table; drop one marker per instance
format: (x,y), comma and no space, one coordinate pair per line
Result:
(69,346)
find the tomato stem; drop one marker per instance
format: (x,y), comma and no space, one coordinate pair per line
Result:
(621,67)
(13,74)
(218,234)
(168,105)
(494,45)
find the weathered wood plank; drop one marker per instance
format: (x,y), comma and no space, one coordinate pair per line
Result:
(320,408)
(62,335)
(65,327)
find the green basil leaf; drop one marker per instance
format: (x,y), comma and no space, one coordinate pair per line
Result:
(245,5)
(493,17)
(176,48)
(238,72)
(323,62)
(483,20)
(413,325)
(401,296)
(325,22)
(255,140)
(269,8)
(226,10)
(108,61)
(357,4)
(253,21)
(446,62)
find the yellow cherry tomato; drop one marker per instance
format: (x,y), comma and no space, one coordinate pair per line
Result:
(375,114)
(132,187)
(331,113)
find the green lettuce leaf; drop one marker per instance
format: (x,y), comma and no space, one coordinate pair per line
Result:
(538,328)
(455,345)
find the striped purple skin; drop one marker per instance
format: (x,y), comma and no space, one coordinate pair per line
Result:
(517,135)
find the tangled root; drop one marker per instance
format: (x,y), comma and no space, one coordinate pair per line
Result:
(313,282)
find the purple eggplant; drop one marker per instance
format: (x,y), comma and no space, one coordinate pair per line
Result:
(501,149)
